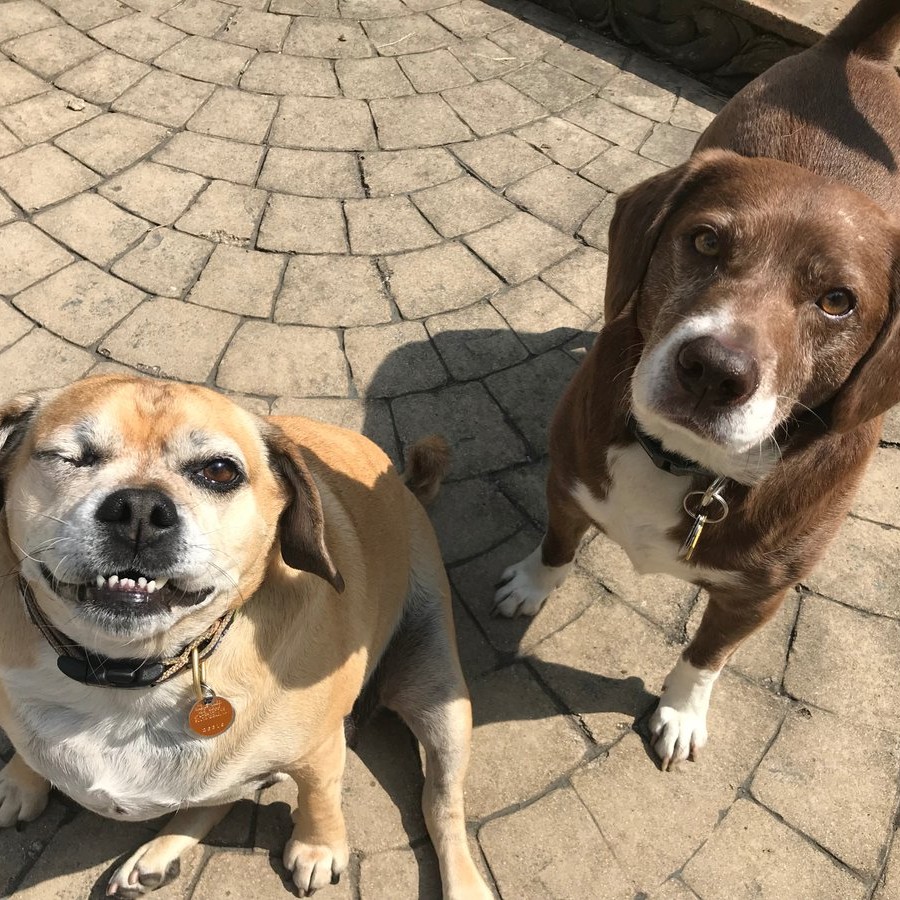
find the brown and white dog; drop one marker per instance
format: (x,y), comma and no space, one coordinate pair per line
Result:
(139,515)
(752,344)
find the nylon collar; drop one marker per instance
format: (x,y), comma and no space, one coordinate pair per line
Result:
(673,463)
(96,670)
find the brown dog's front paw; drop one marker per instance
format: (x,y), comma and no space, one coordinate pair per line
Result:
(313,866)
(23,793)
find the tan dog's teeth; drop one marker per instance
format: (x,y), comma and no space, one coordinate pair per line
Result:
(100,581)
(161,583)
(151,587)
(113,580)
(142,582)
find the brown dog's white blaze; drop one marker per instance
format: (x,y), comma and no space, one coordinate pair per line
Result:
(753,296)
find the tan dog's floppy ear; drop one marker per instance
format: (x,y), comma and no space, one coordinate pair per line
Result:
(874,385)
(640,214)
(301,528)
(15,417)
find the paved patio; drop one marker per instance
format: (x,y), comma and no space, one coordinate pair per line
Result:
(392,214)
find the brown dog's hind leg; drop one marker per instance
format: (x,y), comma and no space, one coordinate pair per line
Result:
(317,852)
(23,793)
(422,682)
(157,862)
(527,584)
(678,727)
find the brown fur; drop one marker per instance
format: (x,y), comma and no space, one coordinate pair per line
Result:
(427,464)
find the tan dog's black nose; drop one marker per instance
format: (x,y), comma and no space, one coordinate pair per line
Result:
(138,515)
(718,375)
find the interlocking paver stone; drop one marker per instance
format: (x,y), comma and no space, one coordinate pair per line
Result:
(581,279)
(166,262)
(27,255)
(327,38)
(44,116)
(164,97)
(103,77)
(80,303)
(251,28)
(17,83)
(438,279)
(85,14)
(138,37)
(597,63)
(879,496)
(323,124)
(13,325)
(49,52)
(207,60)
(42,175)
(112,141)
(239,281)
(484,59)
(204,17)
(563,142)
(553,88)
(471,19)
(93,227)
(234,114)
(407,34)
(24,16)
(153,191)
(501,159)
(520,246)
(225,212)
(532,307)
(595,228)
(311,173)
(274,73)
(152,338)
(619,169)
(9,143)
(387,225)
(600,117)
(212,156)
(402,171)
(393,359)
(525,850)
(668,145)
(332,291)
(434,71)
(460,206)
(23,366)
(794,867)
(557,196)
(422,121)
(309,361)
(302,225)
(492,106)
(368,78)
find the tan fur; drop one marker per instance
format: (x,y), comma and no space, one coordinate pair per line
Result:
(298,653)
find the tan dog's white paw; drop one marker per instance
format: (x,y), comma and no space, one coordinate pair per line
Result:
(678,726)
(314,866)
(525,586)
(23,793)
(148,868)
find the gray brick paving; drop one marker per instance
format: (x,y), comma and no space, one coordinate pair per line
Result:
(392,215)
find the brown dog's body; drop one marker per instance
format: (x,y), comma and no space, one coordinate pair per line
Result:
(753,326)
(297,655)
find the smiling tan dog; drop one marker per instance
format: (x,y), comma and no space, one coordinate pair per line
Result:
(259,575)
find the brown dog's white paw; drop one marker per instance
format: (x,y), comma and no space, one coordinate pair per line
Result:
(314,866)
(23,793)
(148,868)
(525,586)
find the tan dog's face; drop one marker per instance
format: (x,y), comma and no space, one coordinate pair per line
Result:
(137,504)
(764,289)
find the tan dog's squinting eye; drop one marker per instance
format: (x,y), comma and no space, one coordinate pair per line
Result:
(837,303)
(706,241)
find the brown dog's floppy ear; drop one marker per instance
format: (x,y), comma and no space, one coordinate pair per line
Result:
(301,528)
(15,417)
(874,384)
(640,214)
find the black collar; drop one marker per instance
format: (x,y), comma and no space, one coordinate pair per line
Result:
(87,667)
(673,463)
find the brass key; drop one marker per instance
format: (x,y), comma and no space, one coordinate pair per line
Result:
(701,515)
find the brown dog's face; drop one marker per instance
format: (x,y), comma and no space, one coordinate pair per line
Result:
(133,504)
(764,288)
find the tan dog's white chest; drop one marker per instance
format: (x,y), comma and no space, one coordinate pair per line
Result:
(640,510)
(120,753)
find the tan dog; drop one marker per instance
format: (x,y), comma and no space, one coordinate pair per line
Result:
(139,514)
(725,414)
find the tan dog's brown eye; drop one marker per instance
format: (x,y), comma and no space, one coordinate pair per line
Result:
(706,242)
(219,474)
(837,303)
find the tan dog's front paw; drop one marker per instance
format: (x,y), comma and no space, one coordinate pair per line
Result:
(23,793)
(148,868)
(313,866)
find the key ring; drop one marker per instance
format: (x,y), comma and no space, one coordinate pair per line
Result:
(705,500)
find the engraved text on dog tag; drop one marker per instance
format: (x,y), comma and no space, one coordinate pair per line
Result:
(211,716)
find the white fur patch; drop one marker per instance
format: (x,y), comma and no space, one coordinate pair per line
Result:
(527,584)
(745,451)
(679,724)
(642,505)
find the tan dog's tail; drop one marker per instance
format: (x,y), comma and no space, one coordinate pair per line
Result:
(426,466)
(871,28)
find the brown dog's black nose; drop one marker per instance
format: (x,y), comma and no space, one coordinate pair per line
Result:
(716,374)
(138,515)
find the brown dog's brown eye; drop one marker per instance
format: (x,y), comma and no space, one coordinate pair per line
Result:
(837,303)
(220,473)
(706,242)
